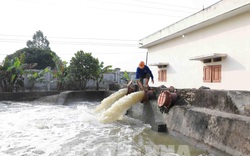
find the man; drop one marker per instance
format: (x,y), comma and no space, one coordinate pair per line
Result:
(143,72)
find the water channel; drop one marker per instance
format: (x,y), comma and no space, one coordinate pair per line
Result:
(44,129)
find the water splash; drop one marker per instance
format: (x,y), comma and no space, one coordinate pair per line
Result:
(107,102)
(118,109)
(41,129)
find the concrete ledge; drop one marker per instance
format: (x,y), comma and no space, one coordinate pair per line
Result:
(224,131)
(150,114)
(235,102)
(68,97)
(215,130)
(24,96)
(62,98)
(207,116)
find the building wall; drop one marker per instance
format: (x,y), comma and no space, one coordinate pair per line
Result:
(51,84)
(229,36)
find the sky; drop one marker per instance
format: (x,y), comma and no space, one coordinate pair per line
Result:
(109,29)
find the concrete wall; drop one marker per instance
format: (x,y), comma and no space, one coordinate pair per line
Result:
(211,118)
(61,98)
(228,36)
(68,97)
(46,85)
(51,84)
(25,96)
(224,131)
(235,102)
(217,12)
(215,118)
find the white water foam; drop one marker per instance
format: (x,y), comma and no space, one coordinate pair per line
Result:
(108,101)
(41,129)
(118,109)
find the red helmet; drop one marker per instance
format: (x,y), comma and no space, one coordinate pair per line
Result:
(141,64)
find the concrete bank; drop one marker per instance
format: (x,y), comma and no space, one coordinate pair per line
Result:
(216,119)
(24,96)
(62,98)
(224,131)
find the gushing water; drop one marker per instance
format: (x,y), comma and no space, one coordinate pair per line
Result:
(108,101)
(118,109)
(42,129)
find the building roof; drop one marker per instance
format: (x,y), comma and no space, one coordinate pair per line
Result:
(208,56)
(222,10)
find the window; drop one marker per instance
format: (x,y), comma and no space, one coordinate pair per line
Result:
(212,74)
(162,70)
(207,60)
(217,59)
(162,75)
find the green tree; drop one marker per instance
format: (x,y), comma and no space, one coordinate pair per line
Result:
(11,74)
(38,52)
(5,76)
(100,72)
(126,77)
(60,73)
(83,67)
(43,58)
(39,41)
(34,77)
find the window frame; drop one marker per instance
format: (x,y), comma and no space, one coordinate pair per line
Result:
(162,75)
(212,74)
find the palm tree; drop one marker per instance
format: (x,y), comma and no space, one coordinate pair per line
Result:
(60,72)
(11,74)
(100,72)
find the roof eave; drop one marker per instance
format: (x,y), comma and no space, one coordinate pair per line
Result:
(153,39)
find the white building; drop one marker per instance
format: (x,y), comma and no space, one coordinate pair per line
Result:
(210,48)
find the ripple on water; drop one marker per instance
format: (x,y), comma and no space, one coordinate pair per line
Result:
(48,130)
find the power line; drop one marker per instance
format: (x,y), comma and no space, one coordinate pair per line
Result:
(105,53)
(150,7)
(103,1)
(95,43)
(118,10)
(75,43)
(75,38)
(107,39)
(116,52)
(140,12)
(160,3)
(12,40)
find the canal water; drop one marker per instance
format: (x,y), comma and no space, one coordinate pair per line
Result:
(44,129)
